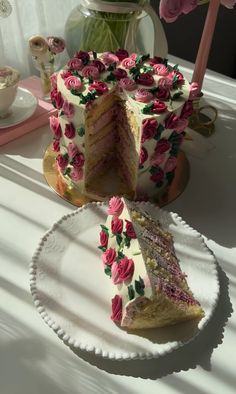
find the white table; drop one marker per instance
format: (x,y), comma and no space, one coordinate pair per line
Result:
(32,358)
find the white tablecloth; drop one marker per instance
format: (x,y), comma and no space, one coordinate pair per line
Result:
(33,360)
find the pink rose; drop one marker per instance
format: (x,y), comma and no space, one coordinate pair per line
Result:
(62,162)
(162,146)
(128,63)
(122,271)
(149,128)
(78,160)
(158,176)
(119,73)
(170,9)
(154,60)
(68,109)
(194,90)
(65,74)
(76,174)
(160,69)
(171,164)
(121,54)
(165,83)
(109,58)
(75,64)
(143,95)
(145,79)
(98,64)
(55,127)
(90,72)
(56,44)
(116,225)
(157,158)
(162,94)
(53,80)
(143,156)
(176,123)
(99,86)
(116,206)
(70,130)
(73,83)
(158,107)
(56,145)
(133,56)
(187,110)
(116,306)
(130,230)
(57,99)
(109,256)
(84,56)
(178,75)
(127,84)
(72,150)
(103,239)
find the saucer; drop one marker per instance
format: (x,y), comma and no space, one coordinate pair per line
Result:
(23,108)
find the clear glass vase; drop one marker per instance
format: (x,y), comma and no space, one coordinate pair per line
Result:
(133,29)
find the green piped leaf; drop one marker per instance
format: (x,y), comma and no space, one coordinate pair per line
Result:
(147,109)
(107,270)
(153,170)
(119,239)
(67,171)
(81,131)
(105,229)
(111,67)
(131,292)
(147,69)
(176,67)
(110,77)
(135,72)
(119,257)
(154,89)
(103,248)
(142,58)
(94,55)
(139,286)
(176,95)
(127,241)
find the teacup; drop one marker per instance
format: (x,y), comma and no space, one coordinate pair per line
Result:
(9,78)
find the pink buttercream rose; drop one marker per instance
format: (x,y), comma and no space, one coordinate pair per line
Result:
(98,64)
(83,55)
(68,109)
(116,306)
(121,54)
(154,60)
(143,95)
(109,256)
(90,72)
(116,206)
(76,174)
(158,176)
(56,44)
(53,80)
(187,110)
(160,69)
(72,150)
(170,9)
(103,238)
(116,225)
(157,158)
(56,145)
(128,63)
(194,90)
(57,99)
(127,84)
(149,128)
(176,123)
(75,64)
(162,146)
(145,79)
(62,162)
(78,160)
(178,76)
(119,73)
(143,156)
(100,87)
(133,56)
(171,164)
(70,130)
(73,83)
(109,58)
(129,228)
(55,126)
(165,83)
(65,74)
(122,271)
(162,94)
(158,107)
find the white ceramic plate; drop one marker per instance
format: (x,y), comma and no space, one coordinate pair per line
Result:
(71,291)
(23,108)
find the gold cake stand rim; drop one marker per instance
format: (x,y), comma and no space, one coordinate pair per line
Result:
(72,195)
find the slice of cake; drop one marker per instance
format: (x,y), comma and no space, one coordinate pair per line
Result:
(149,287)
(121,117)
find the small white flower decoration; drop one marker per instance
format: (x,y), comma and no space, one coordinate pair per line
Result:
(5,8)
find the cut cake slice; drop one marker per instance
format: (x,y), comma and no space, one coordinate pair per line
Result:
(149,288)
